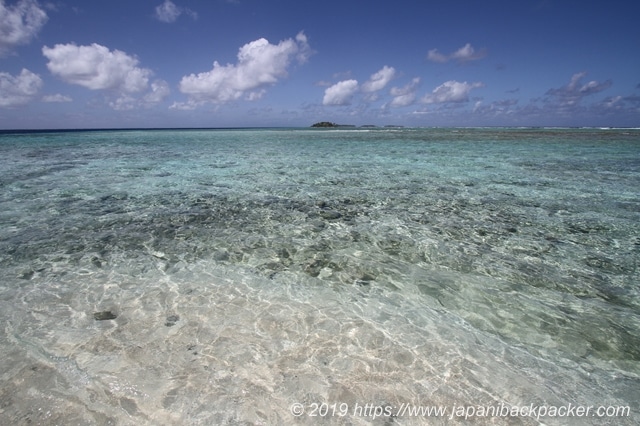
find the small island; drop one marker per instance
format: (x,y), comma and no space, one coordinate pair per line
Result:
(324,124)
(330,124)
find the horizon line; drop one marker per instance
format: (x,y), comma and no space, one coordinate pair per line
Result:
(340,127)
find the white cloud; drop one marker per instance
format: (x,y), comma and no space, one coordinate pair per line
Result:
(19,23)
(254,96)
(465,54)
(613,103)
(340,93)
(451,91)
(124,102)
(96,67)
(20,89)
(436,56)
(185,106)
(572,93)
(495,109)
(56,98)
(159,91)
(379,80)
(168,12)
(260,64)
(406,95)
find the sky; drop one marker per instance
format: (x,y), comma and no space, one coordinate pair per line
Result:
(291,63)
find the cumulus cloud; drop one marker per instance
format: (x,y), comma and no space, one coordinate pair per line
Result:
(168,12)
(435,56)
(451,91)
(340,93)
(124,102)
(19,23)
(465,54)
(572,93)
(18,90)
(495,109)
(56,98)
(565,105)
(567,101)
(406,95)
(613,103)
(96,67)
(260,64)
(184,106)
(379,80)
(159,92)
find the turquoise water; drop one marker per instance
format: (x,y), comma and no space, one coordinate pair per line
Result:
(247,270)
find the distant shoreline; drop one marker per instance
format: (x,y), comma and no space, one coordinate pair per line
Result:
(329,124)
(340,126)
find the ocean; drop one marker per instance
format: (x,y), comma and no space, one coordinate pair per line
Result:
(336,276)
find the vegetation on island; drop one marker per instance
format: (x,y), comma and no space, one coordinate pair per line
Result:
(330,124)
(324,124)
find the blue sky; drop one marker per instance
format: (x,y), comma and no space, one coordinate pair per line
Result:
(226,63)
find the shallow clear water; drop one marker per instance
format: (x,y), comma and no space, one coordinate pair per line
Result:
(251,269)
